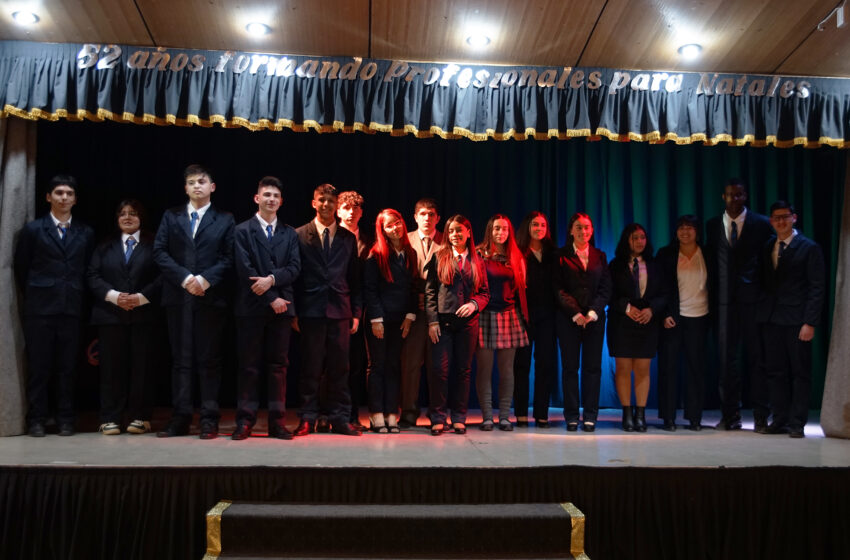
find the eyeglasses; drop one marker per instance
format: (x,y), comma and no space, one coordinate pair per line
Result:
(781,217)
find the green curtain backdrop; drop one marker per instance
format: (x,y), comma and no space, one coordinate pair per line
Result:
(616,183)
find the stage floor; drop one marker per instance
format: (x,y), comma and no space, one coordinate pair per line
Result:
(609,446)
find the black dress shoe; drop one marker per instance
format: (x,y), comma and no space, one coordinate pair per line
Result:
(359,427)
(541,424)
(242,431)
(522,423)
(66,429)
(572,426)
(345,430)
(628,419)
(640,418)
(280,433)
(695,426)
(729,424)
(437,429)
(405,425)
(36,430)
(459,428)
(209,431)
(174,428)
(759,425)
(322,425)
(796,432)
(669,426)
(588,426)
(305,427)
(776,428)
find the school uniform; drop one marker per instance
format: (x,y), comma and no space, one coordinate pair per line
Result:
(635,283)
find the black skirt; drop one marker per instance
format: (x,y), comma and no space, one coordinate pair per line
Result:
(630,339)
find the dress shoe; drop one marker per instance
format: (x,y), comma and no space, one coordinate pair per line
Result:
(305,427)
(405,425)
(437,429)
(358,426)
(796,432)
(280,433)
(572,426)
(729,424)
(209,431)
(695,426)
(541,423)
(669,426)
(66,429)
(640,418)
(776,428)
(323,426)
(588,426)
(345,430)
(759,425)
(459,428)
(174,428)
(36,429)
(628,419)
(521,423)
(242,431)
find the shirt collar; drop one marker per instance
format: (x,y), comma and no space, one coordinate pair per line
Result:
(464,254)
(126,236)
(264,223)
(727,219)
(201,211)
(585,252)
(321,228)
(56,220)
(789,239)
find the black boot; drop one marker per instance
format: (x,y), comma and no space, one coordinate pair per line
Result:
(640,418)
(628,419)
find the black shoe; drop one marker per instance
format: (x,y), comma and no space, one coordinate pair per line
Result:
(522,423)
(242,431)
(541,424)
(358,426)
(209,430)
(66,429)
(322,425)
(305,427)
(437,429)
(796,432)
(776,428)
(640,418)
(729,424)
(588,426)
(669,426)
(345,430)
(36,429)
(174,428)
(695,426)
(759,425)
(505,425)
(572,426)
(486,426)
(280,433)
(459,428)
(405,425)
(628,419)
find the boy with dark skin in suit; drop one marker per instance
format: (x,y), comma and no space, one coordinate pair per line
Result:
(50,265)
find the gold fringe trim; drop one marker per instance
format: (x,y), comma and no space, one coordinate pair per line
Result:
(577,534)
(654,137)
(214,529)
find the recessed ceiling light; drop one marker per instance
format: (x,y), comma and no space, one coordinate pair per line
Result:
(258,29)
(25,18)
(478,40)
(690,51)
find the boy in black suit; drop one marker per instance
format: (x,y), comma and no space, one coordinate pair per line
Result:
(794,285)
(50,267)
(267,263)
(194,251)
(328,295)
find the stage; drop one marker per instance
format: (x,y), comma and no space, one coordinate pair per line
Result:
(709,494)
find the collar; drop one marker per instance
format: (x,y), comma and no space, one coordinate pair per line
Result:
(264,223)
(727,219)
(465,254)
(788,239)
(580,252)
(201,211)
(126,236)
(57,221)
(321,228)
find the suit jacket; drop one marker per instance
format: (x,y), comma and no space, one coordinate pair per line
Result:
(108,271)
(443,299)
(736,270)
(209,254)
(541,300)
(328,287)
(389,300)
(794,291)
(51,272)
(579,290)
(255,255)
(668,261)
(622,288)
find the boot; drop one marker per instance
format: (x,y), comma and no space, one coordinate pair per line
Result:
(640,418)
(628,420)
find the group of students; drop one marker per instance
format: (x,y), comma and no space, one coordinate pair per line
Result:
(424,297)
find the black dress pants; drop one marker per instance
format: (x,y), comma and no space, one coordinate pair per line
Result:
(263,346)
(126,382)
(737,333)
(541,335)
(384,368)
(452,360)
(686,340)
(581,346)
(324,348)
(52,342)
(788,361)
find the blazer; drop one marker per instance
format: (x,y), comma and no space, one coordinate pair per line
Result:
(578,290)
(538,278)
(389,300)
(446,300)
(736,271)
(795,290)
(255,255)
(209,253)
(51,272)
(667,260)
(622,288)
(328,287)
(108,271)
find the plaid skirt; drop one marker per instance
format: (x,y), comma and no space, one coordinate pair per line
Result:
(501,329)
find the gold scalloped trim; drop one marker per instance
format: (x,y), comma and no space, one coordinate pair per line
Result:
(653,137)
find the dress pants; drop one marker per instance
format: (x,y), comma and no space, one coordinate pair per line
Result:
(357,369)
(585,343)
(686,340)
(52,342)
(416,351)
(788,361)
(384,368)
(324,348)
(541,335)
(736,328)
(263,345)
(195,332)
(452,356)
(126,382)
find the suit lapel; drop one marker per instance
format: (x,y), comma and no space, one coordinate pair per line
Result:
(51,231)
(260,236)
(210,216)
(183,221)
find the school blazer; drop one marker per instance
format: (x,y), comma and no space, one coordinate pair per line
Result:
(447,299)
(389,300)
(668,261)
(795,290)
(736,271)
(622,288)
(578,290)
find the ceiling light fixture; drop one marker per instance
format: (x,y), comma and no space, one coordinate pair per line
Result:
(478,40)
(258,29)
(690,51)
(25,18)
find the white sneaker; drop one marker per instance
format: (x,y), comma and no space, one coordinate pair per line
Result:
(139,427)
(109,429)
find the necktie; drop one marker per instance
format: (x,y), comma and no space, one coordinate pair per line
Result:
(782,247)
(130,242)
(460,262)
(194,222)
(636,277)
(326,242)
(733,237)
(269,232)
(63,230)
(427,244)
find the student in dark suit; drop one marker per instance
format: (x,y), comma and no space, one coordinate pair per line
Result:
(534,239)
(329,310)
(583,287)
(194,251)
(125,282)
(637,301)
(267,261)
(50,268)
(733,246)
(794,286)
(455,292)
(390,301)
(416,350)
(686,322)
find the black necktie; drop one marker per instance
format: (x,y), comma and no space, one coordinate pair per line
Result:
(733,237)
(636,277)
(326,242)
(427,244)
(782,247)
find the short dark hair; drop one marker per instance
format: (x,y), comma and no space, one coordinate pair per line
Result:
(67,180)
(429,203)
(735,181)
(325,188)
(352,198)
(782,205)
(270,181)
(623,249)
(689,220)
(135,205)
(197,169)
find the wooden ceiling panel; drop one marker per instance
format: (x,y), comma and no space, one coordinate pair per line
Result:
(310,27)
(533,32)
(824,53)
(76,21)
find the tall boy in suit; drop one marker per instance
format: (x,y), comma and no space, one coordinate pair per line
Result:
(50,267)
(267,263)
(194,251)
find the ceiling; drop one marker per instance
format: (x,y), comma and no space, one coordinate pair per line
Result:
(740,36)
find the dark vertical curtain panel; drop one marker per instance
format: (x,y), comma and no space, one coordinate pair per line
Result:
(616,183)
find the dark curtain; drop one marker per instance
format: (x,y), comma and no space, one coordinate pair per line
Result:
(616,183)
